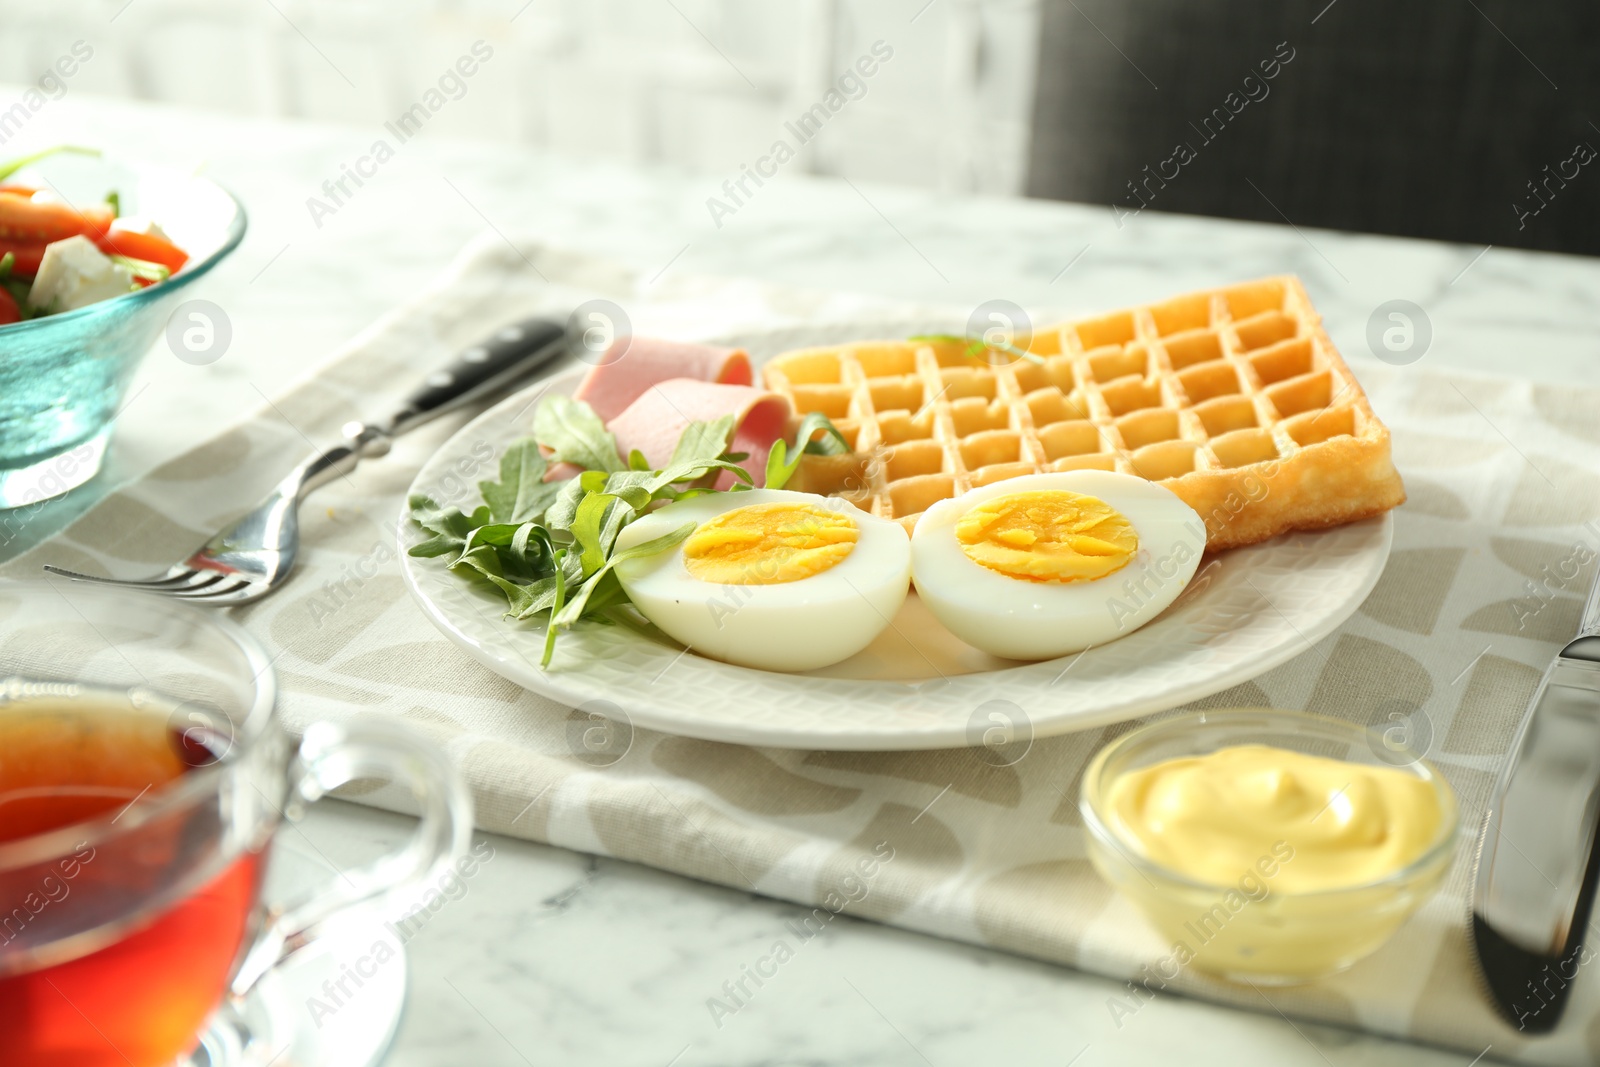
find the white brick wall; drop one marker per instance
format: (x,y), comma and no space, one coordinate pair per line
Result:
(699,83)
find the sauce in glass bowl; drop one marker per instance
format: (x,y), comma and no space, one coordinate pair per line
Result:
(1269,845)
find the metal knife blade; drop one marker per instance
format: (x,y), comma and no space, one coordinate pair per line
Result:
(1537,862)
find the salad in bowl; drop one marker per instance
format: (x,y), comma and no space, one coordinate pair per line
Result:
(57,255)
(99,257)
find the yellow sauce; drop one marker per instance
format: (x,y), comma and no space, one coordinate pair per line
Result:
(1213,818)
(1048,535)
(1261,863)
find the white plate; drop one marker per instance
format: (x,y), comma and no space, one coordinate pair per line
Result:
(917,686)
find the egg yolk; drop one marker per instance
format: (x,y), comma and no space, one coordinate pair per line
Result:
(765,544)
(1048,535)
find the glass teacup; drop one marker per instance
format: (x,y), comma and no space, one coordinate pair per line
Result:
(143,775)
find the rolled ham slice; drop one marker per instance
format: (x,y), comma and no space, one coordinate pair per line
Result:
(633,364)
(654,422)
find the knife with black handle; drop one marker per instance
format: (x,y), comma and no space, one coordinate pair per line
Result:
(1537,864)
(509,355)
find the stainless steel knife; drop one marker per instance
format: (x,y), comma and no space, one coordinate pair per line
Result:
(1537,862)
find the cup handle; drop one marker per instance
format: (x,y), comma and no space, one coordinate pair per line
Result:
(330,755)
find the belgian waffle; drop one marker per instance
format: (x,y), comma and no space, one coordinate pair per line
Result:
(1235,399)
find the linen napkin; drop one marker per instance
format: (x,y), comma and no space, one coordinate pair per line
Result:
(1491,559)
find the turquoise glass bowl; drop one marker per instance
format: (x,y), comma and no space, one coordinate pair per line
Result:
(64,378)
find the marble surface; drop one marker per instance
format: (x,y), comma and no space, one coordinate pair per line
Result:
(557,958)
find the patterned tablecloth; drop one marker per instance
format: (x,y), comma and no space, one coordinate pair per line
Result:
(1491,557)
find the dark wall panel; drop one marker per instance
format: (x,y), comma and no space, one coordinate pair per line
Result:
(1423,119)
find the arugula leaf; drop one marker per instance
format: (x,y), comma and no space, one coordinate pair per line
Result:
(977,345)
(559,515)
(633,487)
(574,434)
(558,601)
(638,488)
(550,547)
(701,448)
(532,536)
(588,530)
(780,468)
(434,517)
(688,472)
(437,545)
(485,563)
(569,612)
(496,534)
(606,595)
(831,443)
(543,592)
(702,442)
(674,495)
(618,517)
(521,493)
(528,551)
(449,526)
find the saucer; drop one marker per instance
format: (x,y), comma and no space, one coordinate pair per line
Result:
(335,1003)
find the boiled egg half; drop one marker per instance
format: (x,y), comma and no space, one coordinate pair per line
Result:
(771,579)
(1048,564)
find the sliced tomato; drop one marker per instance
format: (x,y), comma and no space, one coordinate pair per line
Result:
(28,257)
(8,309)
(143,246)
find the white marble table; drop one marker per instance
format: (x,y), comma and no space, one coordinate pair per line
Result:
(556,958)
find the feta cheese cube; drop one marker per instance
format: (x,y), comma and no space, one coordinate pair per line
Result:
(140,224)
(74,274)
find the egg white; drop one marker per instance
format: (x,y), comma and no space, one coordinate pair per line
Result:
(784,626)
(1021,619)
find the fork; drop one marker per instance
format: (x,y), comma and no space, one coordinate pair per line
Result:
(252,557)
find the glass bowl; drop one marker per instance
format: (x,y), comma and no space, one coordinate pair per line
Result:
(1248,930)
(64,378)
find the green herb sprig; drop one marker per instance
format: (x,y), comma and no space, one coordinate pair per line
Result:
(832,443)
(10,168)
(550,546)
(976,346)
(143,268)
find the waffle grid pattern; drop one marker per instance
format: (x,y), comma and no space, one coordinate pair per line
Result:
(1233,398)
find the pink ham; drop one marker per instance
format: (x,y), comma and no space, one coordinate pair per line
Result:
(654,422)
(633,364)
